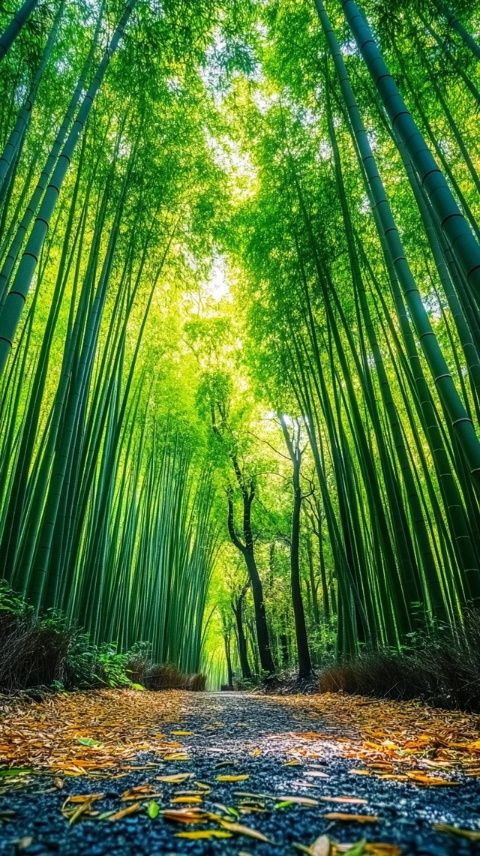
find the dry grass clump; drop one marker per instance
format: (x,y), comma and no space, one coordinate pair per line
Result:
(381,673)
(168,677)
(197,683)
(32,653)
(441,667)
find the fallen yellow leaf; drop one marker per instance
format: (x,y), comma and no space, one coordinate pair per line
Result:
(178,756)
(204,833)
(424,779)
(188,815)
(470,834)
(239,829)
(175,777)
(321,847)
(350,800)
(298,800)
(187,799)
(227,778)
(131,809)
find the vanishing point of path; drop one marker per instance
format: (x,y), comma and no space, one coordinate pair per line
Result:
(122,772)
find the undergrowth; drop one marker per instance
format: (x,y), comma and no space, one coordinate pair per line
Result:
(48,651)
(441,667)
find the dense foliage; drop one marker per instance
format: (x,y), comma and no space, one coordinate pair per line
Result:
(239,324)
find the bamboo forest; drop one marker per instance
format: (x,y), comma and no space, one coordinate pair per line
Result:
(239,426)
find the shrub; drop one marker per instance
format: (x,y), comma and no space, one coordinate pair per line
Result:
(48,651)
(197,683)
(33,650)
(90,666)
(139,661)
(12,603)
(380,673)
(170,678)
(441,667)
(111,667)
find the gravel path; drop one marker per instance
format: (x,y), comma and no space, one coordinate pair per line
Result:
(239,734)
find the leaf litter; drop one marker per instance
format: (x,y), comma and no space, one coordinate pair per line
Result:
(417,745)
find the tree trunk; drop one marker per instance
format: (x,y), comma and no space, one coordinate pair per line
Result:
(16,298)
(295,452)
(15,138)
(304,661)
(242,641)
(313,585)
(228,658)
(264,650)
(467,250)
(246,548)
(464,246)
(457,25)
(284,650)
(11,32)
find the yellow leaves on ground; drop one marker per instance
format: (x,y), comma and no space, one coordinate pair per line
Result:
(198,834)
(124,812)
(239,829)
(52,734)
(324,846)
(351,800)
(81,798)
(75,806)
(240,777)
(185,815)
(308,801)
(176,756)
(411,736)
(174,777)
(415,744)
(139,791)
(198,816)
(456,830)
(192,800)
(421,778)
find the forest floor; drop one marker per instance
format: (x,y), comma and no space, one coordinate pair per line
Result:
(127,772)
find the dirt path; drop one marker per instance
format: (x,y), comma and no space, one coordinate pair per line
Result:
(291,764)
